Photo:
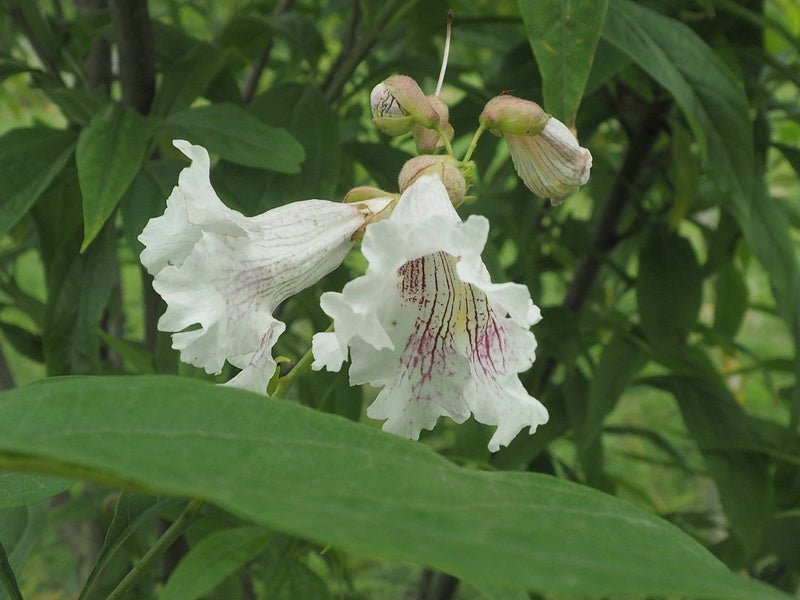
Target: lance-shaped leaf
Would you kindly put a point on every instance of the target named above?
(325, 478)
(213, 559)
(109, 153)
(22, 489)
(564, 36)
(30, 159)
(7, 577)
(237, 136)
(710, 96)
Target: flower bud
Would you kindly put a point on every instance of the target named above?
(507, 114)
(546, 154)
(373, 203)
(446, 167)
(428, 140)
(365, 192)
(398, 104)
(551, 164)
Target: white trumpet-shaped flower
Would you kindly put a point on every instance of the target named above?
(223, 274)
(427, 325)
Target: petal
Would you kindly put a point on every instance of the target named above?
(456, 340)
(499, 349)
(551, 164)
(227, 273)
(192, 207)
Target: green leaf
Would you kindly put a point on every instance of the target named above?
(306, 114)
(792, 156)
(669, 287)
(731, 304)
(147, 197)
(7, 577)
(564, 36)
(336, 482)
(78, 106)
(620, 361)
(21, 529)
(724, 436)
(30, 159)
(109, 154)
(213, 559)
(131, 511)
(188, 77)
(767, 231)
(136, 357)
(381, 161)
(287, 578)
(23, 341)
(22, 489)
(11, 66)
(79, 286)
(239, 137)
(301, 32)
(710, 96)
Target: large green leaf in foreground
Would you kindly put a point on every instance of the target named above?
(337, 482)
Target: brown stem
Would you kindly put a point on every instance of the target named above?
(137, 74)
(98, 60)
(446, 587)
(424, 585)
(350, 57)
(137, 66)
(253, 80)
(347, 45)
(605, 235)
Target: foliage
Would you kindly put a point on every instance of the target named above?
(668, 352)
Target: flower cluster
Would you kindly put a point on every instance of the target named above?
(425, 323)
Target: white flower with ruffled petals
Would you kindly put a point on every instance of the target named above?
(426, 324)
(223, 274)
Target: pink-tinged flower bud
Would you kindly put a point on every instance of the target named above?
(447, 169)
(546, 154)
(428, 140)
(507, 114)
(551, 164)
(398, 104)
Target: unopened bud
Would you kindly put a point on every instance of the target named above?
(552, 164)
(507, 114)
(365, 192)
(428, 140)
(446, 167)
(398, 104)
(373, 203)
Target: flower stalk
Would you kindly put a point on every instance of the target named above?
(173, 532)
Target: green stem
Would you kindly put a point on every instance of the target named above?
(302, 367)
(473, 143)
(285, 382)
(165, 541)
(447, 146)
